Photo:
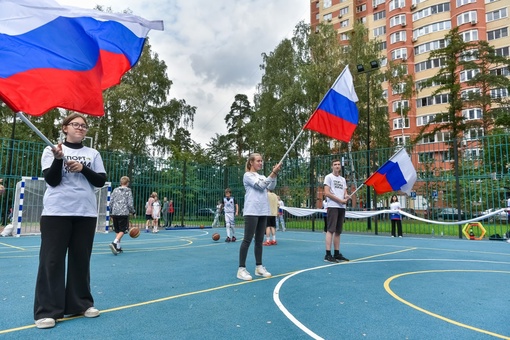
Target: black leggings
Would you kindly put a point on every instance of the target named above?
(253, 225)
(398, 224)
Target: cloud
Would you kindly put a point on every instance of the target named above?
(213, 48)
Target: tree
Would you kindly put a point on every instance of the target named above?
(138, 113)
(221, 152)
(237, 120)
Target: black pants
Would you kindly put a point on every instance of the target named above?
(398, 225)
(253, 225)
(54, 297)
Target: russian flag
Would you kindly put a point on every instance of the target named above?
(53, 56)
(397, 173)
(337, 114)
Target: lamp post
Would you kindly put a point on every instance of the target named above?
(374, 65)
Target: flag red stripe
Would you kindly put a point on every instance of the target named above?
(380, 183)
(331, 125)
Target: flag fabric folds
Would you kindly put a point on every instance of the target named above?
(337, 114)
(59, 56)
(397, 173)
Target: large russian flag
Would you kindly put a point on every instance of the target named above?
(397, 173)
(337, 114)
(54, 56)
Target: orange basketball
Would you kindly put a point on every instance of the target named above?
(134, 232)
(202, 226)
(215, 236)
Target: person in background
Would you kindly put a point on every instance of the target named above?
(280, 221)
(256, 210)
(68, 221)
(156, 213)
(171, 211)
(164, 211)
(335, 189)
(271, 219)
(148, 212)
(231, 209)
(395, 217)
(217, 213)
(121, 205)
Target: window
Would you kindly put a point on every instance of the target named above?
(363, 20)
(465, 2)
(402, 140)
(397, 36)
(433, 100)
(399, 53)
(430, 46)
(436, 27)
(499, 93)
(469, 93)
(473, 113)
(428, 64)
(394, 4)
(446, 156)
(344, 11)
(379, 15)
(469, 55)
(473, 134)
(468, 74)
(398, 20)
(375, 3)
(344, 23)
(401, 123)
(473, 153)
(398, 88)
(428, 139)
(496, 34)
(425, 157)
(382, 46)
(424, 120)
(396, 105)
(502, 52)
(428, 11)
(496, 15)
(328, 17)
(502, 71)
(327, 3)
(379, 31)
(471, 35)
(466, 17)
(361, 8)
(344, 36)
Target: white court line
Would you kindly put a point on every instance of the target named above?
(300, 325)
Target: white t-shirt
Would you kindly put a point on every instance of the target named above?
(337, 186)
(74, 196)
(256, 202)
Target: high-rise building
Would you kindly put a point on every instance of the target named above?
(409, 30)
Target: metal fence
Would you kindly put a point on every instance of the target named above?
(482, 182)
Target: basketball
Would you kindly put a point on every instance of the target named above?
(216, 236)
(202, 226)
(134, 232)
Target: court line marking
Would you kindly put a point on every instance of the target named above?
(398, 298)
(285, 311)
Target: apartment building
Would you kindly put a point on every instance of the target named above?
(409, 30)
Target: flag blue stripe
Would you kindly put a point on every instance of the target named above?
(394, 175)
(77, 50)
(340, 106)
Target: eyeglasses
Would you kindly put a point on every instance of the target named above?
(78, 125)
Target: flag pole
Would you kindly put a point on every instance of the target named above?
(352, 193)
(302, 130)
(35, 129)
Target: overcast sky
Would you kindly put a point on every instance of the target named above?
(213, 48)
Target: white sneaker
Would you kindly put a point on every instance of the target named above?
(45, 323)
(242, 274)
(261, 271)
(92, 312)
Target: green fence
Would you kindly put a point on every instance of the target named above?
(482, 183)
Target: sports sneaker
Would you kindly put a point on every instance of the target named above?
(91, 312)
(113, 248)
(267, 243)
(45, 323)
(329, 258)
(274, 243)
(261, 271)
(242, 274)
(120, 250)
(340, 257)
(233, 239)
(227, 239)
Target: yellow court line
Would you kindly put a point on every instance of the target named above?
(11, 246)
(390, 291)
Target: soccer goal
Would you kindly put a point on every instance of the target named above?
(28, 206)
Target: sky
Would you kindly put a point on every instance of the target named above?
(212, 48)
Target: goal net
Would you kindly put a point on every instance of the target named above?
(28, 206)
